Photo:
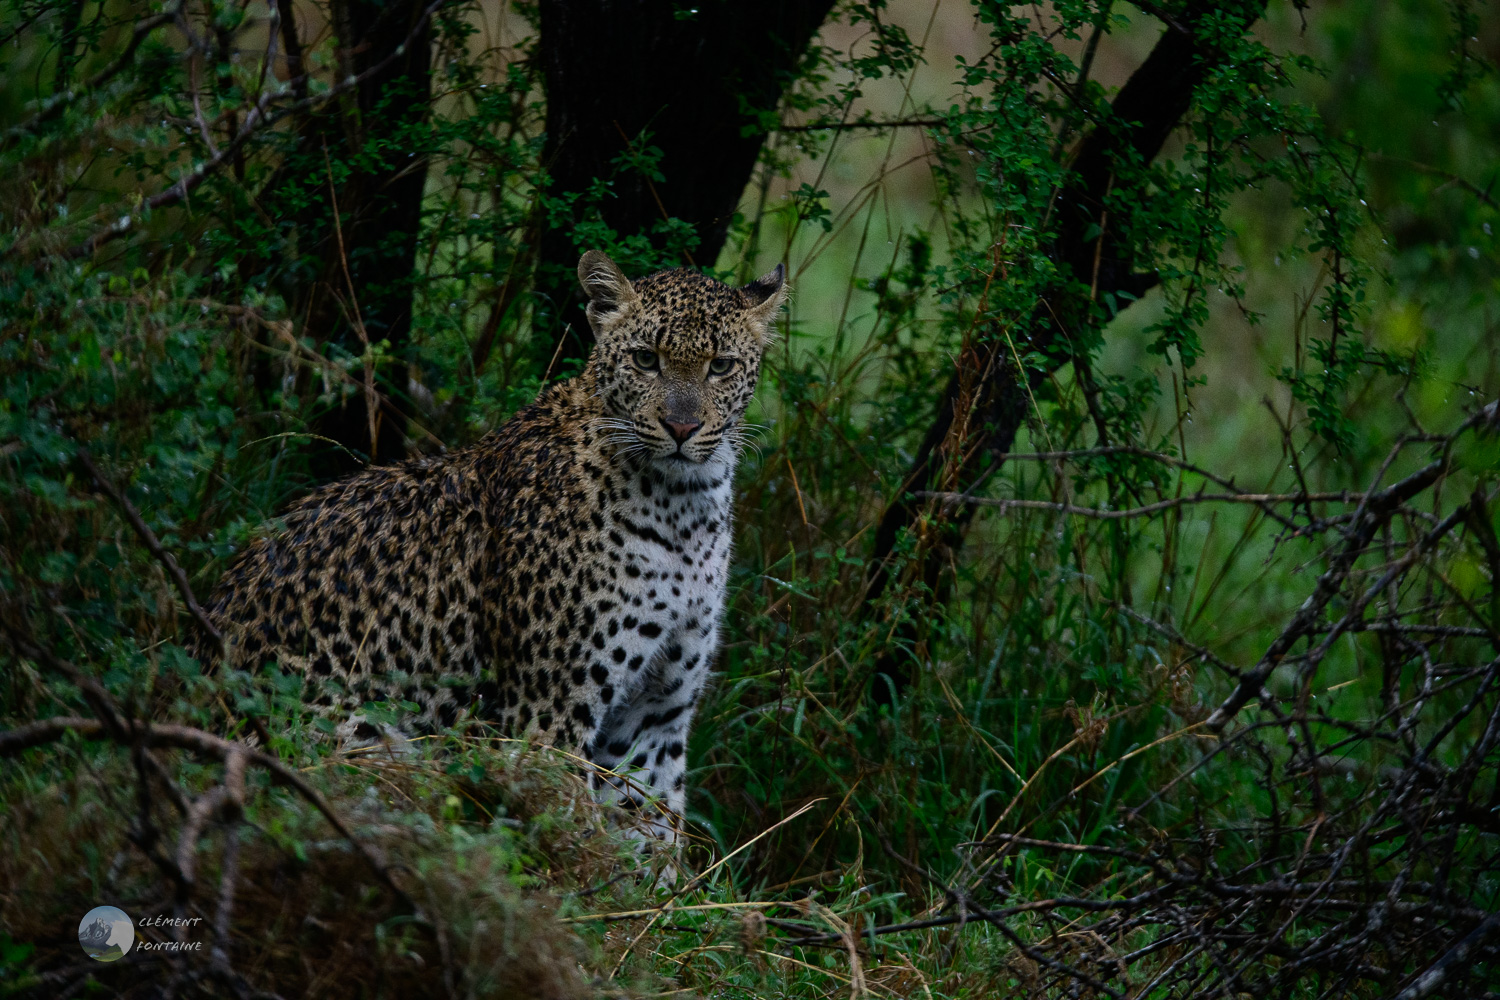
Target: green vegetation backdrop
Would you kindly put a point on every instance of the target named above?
(1115, 604)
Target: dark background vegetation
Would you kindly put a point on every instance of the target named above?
(1115, 604)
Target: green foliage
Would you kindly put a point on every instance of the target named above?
(1310, 236)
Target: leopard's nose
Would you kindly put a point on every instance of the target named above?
(681, 432)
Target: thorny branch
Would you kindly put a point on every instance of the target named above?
(1376, 510)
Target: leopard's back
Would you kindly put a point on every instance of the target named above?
(381, 587)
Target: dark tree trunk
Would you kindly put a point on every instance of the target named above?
(616, 69)
(1147, 109)
(349, 276)
(368, 280)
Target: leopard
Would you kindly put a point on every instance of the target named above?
(563, 579)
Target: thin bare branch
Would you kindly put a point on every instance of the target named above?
(1172, 503)
(153, 545)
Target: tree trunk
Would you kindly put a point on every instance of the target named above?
(348, 275)
(1147, 109)
(697, 83)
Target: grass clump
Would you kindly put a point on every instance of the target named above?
(483, 842)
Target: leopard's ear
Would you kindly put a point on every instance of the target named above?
(611, 296)
(765, 296)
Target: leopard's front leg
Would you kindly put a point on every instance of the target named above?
(644, 739)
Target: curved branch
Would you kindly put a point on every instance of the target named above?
(56, 104)
(197, 741)
(153, 545)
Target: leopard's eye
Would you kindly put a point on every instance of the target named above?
(645, 360)
(720, 366)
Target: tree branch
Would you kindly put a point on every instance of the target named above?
(153, 545)
(153, 734)
(256, 120)
(1144, 113)
(56, 104)
(1172, 503)
(1377, 509)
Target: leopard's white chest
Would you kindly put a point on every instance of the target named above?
(673, 537)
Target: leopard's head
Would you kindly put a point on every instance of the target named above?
(676, 356)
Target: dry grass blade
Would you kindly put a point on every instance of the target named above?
(697, 879)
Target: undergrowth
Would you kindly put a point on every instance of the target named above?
(1114, 605)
